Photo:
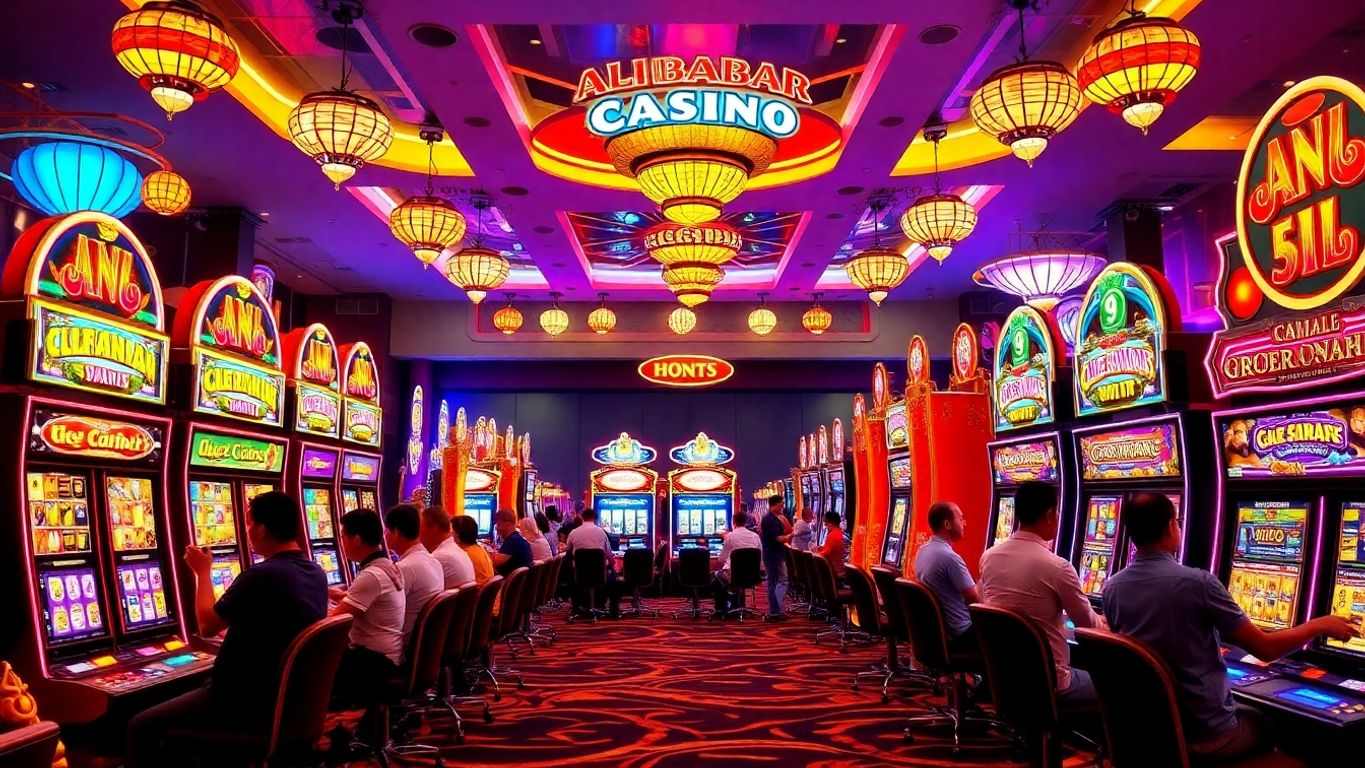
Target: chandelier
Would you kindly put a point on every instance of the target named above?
(59, 177)
(166, 193)
(817, 319)
(877, 269)
(602, 319)
(762, 321)
(177, 51)
(339, 129)
(1041, 276)
(938, 221)
(691, 170)
(554, 320)
(682, 320)
(692, 283)
(478, 269)
(427, 224)
(1025, 104)
(1137, 66)
(508, 318)
(714, 242)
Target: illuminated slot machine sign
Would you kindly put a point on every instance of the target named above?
(362, 423)
(481, 497)
(235, 351)
(702, 494)
(1015, 463)
(316, 375)
(215, 457)
(1134, 452)
(623, 491)
(1024, 370)
(1313, 440)
(1291, 294)
(1121, 340)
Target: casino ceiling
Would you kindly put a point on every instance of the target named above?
(534, 185)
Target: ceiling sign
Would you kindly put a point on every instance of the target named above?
(1024, 368)
(1291, 294)
(686, 370)
(235, 347)
(1121, 340)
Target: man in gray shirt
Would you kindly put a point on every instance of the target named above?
(944, 573)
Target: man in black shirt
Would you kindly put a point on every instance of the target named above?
(775, 532)
(266, 607)
(515, 551)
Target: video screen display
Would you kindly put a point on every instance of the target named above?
(1102, 521)
(131, 514)
(1004, 518)
(367, 499)
(480, 507)
(142, 595)
(252, 490)
(59, 513)
(702, 514)
(1348, 583)
(212, 512)
(317, 512)
(326, 558)
(350, 500)
(900, 472)
(225, 568)
(895, 531)
(71, 604)
(1266, 592)
(626, 514)
(1095, 568)
(1271, 530)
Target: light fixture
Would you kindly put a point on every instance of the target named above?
(691, 170)
(762, 321)
(713, 242)
(177, 51)
(425, 223)
(166, 193)
(339, 129)
(1040, 276)
(59, 177)
(554, 320)
(878, 268)
(938, 221)
(692, 283)
(817, 319)
(1137, 66)
(1023, 105)
(602, 319)
(507, 319)
(682, 320)
(478, 269)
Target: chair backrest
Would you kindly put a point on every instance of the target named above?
(822, 578)
(924, 622)
(694, 567)
(885, 580)
(429, 635)
(31, 746)
(790, 559)
(510, 603)
(307, 671)
(1137, 700)
(661, 558)
(744, 567)
(481, 631)
(590, 567)
(551, 580)
(530, 594)
(638, 568)
(801, 559)
(1019, 667)
(864, 600)
(462, 620)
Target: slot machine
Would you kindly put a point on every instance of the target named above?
(96, 620)
(842, 488)
(1124, 363)
(361, 429)
(701, 494)
(1288, 540)
(897, 471)
(809, 478)
(227, 350)
(530, 503)
(314, 373)
(826, 481)
(1027, 393)
(621, 491)
(788, 495)
(482, 478)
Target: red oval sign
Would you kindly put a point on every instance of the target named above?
(97, 439)
(686, 370)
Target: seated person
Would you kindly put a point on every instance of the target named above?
(739, 537)
(588, 535)
(1023, 575)
(266, 607)
(540, 548)
(379, 605)
(803, 531)
(543, 525)
(1184, 614)
(833, 549)
(456, 566)
(423, 578)
(515, 550)
(944, 573)
(467, 536)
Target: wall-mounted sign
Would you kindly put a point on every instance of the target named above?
(357, 466)
(917, 361)
(360, 384)
(667, 90)
(702, 480)
(624, 451)
(314, 368)
(1147, 450)
(95, 305)
(1291, 294)
(966, 355)
(1024, 368)
(1120, 341)
(686, 370)
(623, 479)
(415, 432)
(1317, 440)
(72, 434)
(897, 427)
(319, 463)
(235, 351)
(218, 450)
(1014, 463)
(702, 451)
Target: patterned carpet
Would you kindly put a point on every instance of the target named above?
(656, 693)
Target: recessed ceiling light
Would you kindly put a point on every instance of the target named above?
(433, 35)
(1288, 83)
(535, 41)
(265, 214)
(29, 85)
(939, 34)
(840, 40)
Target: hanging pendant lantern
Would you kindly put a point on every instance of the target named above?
(178, 52)
(817, 319)
(762, 321)
(478, 269)
(425, 223)
(554, 320)
(1137, 67)
(602, 319)
(507, 319)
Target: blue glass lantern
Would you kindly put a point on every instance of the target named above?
(61, 177)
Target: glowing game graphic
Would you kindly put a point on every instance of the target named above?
(1120, 340)
(1015, 463)
(360, 385)
(80, 435)
(897, 426)
(1321, 441)
(235, 347)
(317, 383)
(1149, 450)
(231, 451)
(1024, 368)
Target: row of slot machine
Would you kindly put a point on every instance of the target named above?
(1262, 450)
(823, 481)
(135, 443)
(495, 469)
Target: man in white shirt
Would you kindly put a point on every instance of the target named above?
(423, 578)
(1023, 575)
(456, 566)
(588, 535)
(376, 600)
(739, 537)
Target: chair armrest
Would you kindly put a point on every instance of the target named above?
(28, 741)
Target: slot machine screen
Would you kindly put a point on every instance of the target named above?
(142, 595)
(1097, 550)
(1004, 518)
(350, 500)
(317, 512)
(624, 514)
(252, 490)
(212, 512)
(1267, 561)
(704, 514)
(131, 514)
(71, 604)
(900, 472)
(225, 568)
(326, 558)
(480, 507)
(59, 513)
(895, 532)
(367, 499)
(1348, 583)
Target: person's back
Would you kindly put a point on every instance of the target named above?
(467, 536)
(803, 532)
(942, 570)
(457, 568)
(423, 578)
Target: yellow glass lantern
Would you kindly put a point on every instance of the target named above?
(877, 270)
(554, 320)
(691, 170)
(602, 319)
(166, 192)
(476, 270)
(762, 321)
(682, 320)
(817, 319)
(1137, 67)
(507, 319)
(179, 52)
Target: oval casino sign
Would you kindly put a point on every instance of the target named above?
(686, 370)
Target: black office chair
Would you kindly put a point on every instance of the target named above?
(694, 573)
(411, 692)
(637, 575)
(1137, 699)
(834, 599)
(745, 575)
(862, 602)
(798, 596)
(30, 746)
(590, 575)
